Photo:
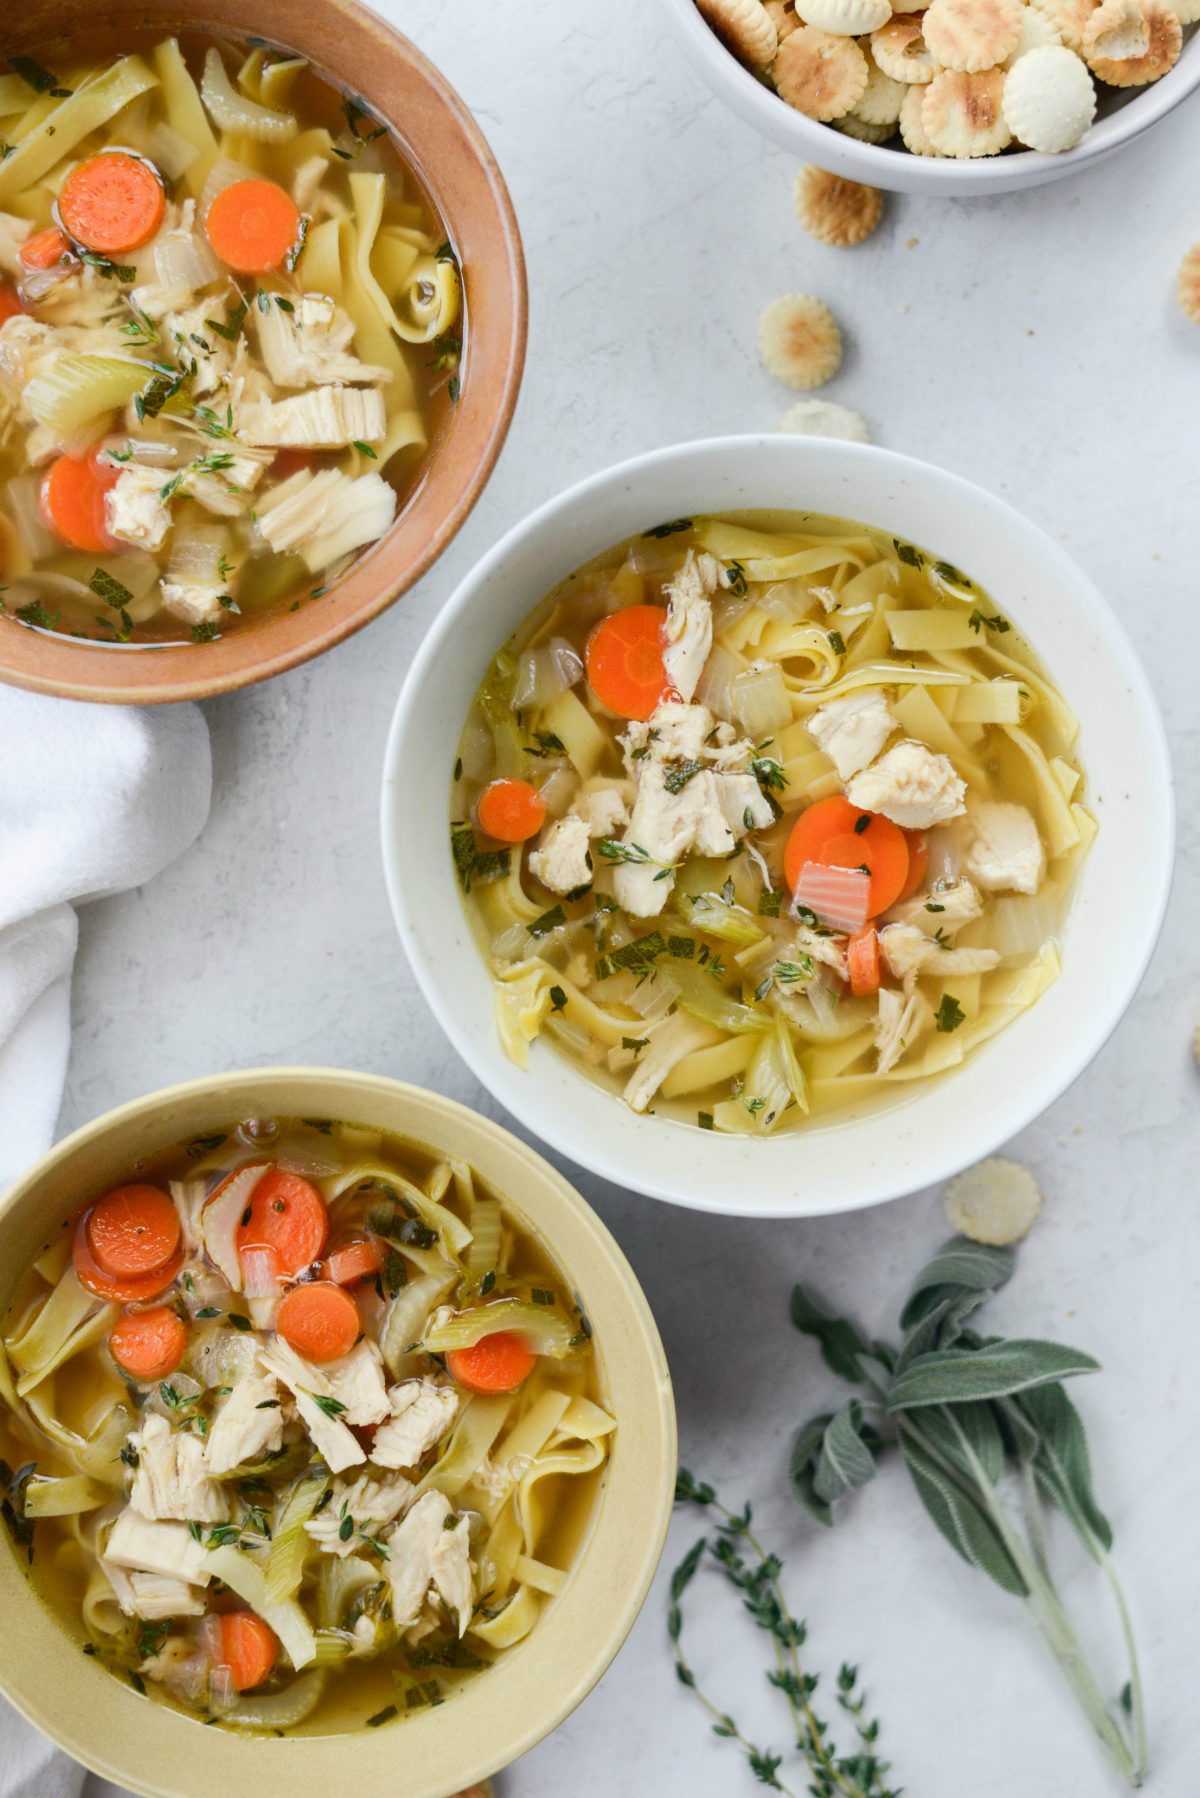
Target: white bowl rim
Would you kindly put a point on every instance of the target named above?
(477, 1042)
(895, 169)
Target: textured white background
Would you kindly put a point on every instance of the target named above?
(1032, 344)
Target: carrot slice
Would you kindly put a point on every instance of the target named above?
(625, 665)
(320, 1320)
(862, 963)
(832, 832)
(44, 248)
(510, 810)
(249, 1648)
(72, 500)
(918, 862)
(252, 225)
(148, 1345)
(112, 202)
(131, 1290)
(496, 1363)
(133, 1230)
(10, 305)
(354, 1261)
(288, 1215)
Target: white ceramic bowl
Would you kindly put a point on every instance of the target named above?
(1122, 118)
(833, 1165)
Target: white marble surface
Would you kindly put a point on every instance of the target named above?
(1032, 344)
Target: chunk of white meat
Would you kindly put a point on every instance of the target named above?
(24, 343)
(562, 860)
(196, 602)
(911, 785)
(310, 346)
(603, 806)
(430, 1548)
(945, 908)
(900, 1020)
(710, 814)
(908, 952)
(1006, 851)
(356, 1382)
(421, 1413)
(171, 1479)
(369, 1504)
(675, 733)
(228, 489)
(182, 1666)
(688, 628)
(191, 340)
(145, 1546)
(324, 516)
(248, 1425)
(670, 1041)
(852, 731)
(824, 946)
(134, 509)
(335, 1444)
(323, 418)
(13, 232)
(153, 1596)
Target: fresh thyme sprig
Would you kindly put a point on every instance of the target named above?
(976, 1418)
(830, 1774)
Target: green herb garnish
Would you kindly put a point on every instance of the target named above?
(669, 529)
(949, 1014)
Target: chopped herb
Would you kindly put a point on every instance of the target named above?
(669, 529)
(932, 906)
(949, 1014)
(231, 327)
(558, 999)
(170, 488)
(837, 643)
(209, 1311)
(636, 1043)
(678, 774)
(487, 1283)
(129, 1455)
(364, 449)
(862, 823)
(239, 1322)
(612, 851)
(137, 1682)
(788, 972)
(547, 744)
(447, 348)
(754, 1106)
(324, 1125)
(995, 623)
(283, 304)
(430, 1693)
(35, 614)
(445, 253)
(39, 78)
(332, 1407)
(139, 329)
(454, 388)
(683, 948)
(768, 903)
(637, 955)
(267, 1404)
(908, 554)
(955, 576)
(203, 1145)
(549, 920)
(89, 1648)
(205, 632)
(768, 773)
(475, 865)
(735, 579)
(393, 1271)
(107, 269)
(345, 1529)
(294, 254)
(196, 1533)
(705, 1120)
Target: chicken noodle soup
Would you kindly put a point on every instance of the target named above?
(300, 1428)
(230, 326)
(763, 818)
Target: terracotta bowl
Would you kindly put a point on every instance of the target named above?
(363, 55)
(154, 1750)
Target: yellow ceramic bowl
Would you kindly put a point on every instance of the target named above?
(154, 1750)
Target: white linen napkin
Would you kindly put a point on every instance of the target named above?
(94, 800)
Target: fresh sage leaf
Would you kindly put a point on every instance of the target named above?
(840, 1342)
(966, 1527)
(1062, 1465)
(806, 1446)
(846, 1462)
(961, 1265)
(957, 1376)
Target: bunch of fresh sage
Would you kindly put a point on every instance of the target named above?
(991, 1440)
(735, 1552)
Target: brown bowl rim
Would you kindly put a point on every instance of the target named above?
(62, 668)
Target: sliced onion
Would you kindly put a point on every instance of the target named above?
(222, 1693)
(182, 259)
(557, 791)
(713, 690)
(759, 702)
(24, 509)
(787, 600)
(510, 943)
(172, 153)
(1021, 925)
(208, 1636)
(653, 996)
(280, 1710)
(545, 672)
(150, 450)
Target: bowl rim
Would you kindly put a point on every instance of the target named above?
(475, 1044)
(91, 672)
(634, 1552)
(875, 163)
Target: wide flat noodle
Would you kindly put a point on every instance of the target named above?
(71, 121)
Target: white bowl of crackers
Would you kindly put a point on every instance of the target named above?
(950, 96)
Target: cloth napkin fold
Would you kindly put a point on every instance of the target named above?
(94, 800)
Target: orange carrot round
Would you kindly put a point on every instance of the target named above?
(625, 665)
(10, 305)
(72, 500)
(133, 1230)
(918, 862)
(249, 1648)
(496, 1363)
(832, 832)
(44, 248)
(252, 225)
(320, 1320)
(862, 963)
(510, 810)
(112, 203)
(288, 1215)
(354, 1261)
(148, 1345)
(133, 1289)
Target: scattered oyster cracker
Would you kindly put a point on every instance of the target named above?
(970, 35)
(882, 97)
(783, 17)
(962, 114)
(1037, 31)
(912, 128)
(743, 26)
(1118, 29)
(821, 75)
(845, 18)
(900, 49)
(1187, 290)
(836, 211)
(825, 418)
(799, 341)
(1049, 100)
(995, 1202)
